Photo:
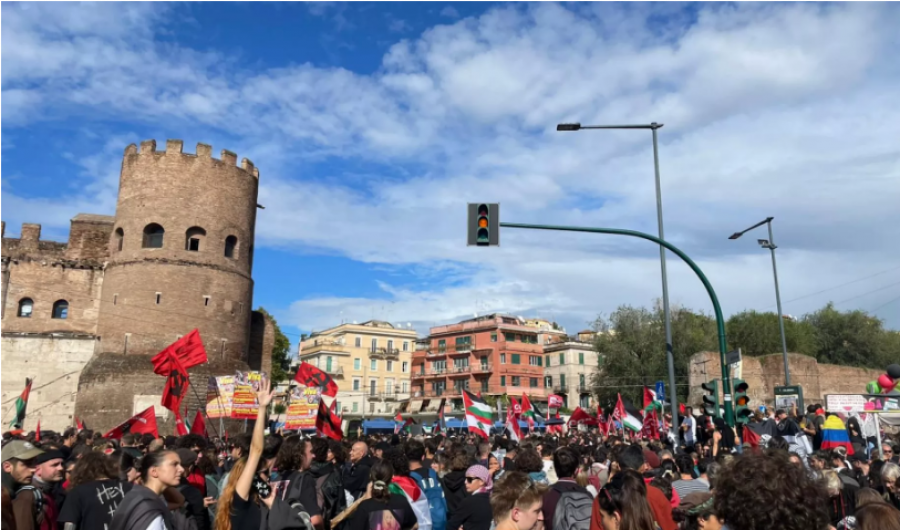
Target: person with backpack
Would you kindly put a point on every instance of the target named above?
(567, 506)
(18, 469)
(428, 481)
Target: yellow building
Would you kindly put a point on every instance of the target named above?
(370, 362)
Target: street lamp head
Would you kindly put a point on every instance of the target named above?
(568, 127)
(735, 235)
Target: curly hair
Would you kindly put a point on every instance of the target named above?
(290, 454)
(769, 480)
(529, 461)
(90, 467)
(398, 461)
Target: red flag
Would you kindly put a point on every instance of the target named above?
(199, 425)
(176, 383)
(37, 432)
(750, 437)
(180, 429)
(515, 409)
(554, 401)
(142, 423)
(681, 409)
(327, 423)
(79, 425)
(580, 417)
(649, 397)
(311, 376)
(650, 427)
(188, 349)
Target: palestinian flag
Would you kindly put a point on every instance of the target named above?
(627, 414)
(834, 434)
(529, 412)
(478, 414)
(407, 487)
(21, 405)
(180, 428)
(649, 397)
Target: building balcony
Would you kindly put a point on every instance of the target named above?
(418, 375)
(336, 371)
(560, 389)
(325, 347)
(584, 389)
(460, 349)
(436, 353)
(457, 371)
(384, 353)
(482, 368)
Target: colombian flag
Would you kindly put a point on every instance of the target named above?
(834, 434)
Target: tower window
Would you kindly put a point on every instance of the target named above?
(153, 236)
(158, 298)
(231, 243)
(120, 239)
(60, 309)
(115, 298)
(193, 237)
(206, 301)
(26, 306)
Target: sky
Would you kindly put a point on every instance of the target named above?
(373, 124)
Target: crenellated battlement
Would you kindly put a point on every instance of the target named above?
(175, 147)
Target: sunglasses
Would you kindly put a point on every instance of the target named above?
(472, 479)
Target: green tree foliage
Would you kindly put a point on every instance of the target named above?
(758, 334)
(632, 350)
(852, 338)
(281, 361)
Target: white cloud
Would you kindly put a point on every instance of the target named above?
(450, 12)
(784, 110)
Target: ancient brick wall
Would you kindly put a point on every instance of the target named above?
(89, 237)
(55, 362)
(161, 293)
(764, 373)
(262, 340)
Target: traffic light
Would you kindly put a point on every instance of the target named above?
(742, 410)
(484, 224)
(711, 401)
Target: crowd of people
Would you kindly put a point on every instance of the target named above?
(577, 481)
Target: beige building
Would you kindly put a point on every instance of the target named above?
(568, 370)
(548, 332)
(370, 362)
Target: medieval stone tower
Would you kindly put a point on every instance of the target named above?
(180, 252)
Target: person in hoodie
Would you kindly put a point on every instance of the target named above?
(454, 481)
(529, 461)
(474, 512)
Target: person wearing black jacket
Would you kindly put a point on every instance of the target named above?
(356, 470)
(195, 507)
(565, 463)
(475, 511)
(454, 482)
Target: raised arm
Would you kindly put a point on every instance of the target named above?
(264, 396)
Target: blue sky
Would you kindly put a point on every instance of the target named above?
(374, 123)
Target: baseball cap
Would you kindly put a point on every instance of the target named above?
(187, 457)
(21, 450)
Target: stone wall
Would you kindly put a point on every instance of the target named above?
(764, 373)
(55, 362)
(262, 340)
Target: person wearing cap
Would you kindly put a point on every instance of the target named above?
(48, 475)
(18, 470)
(860, 469)
(697, 511)
(195, 504)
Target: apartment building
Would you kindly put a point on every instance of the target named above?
(568, 369)
(493, 354)
(370, 362)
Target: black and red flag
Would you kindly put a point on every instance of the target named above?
(188, 350)
(327, 423)
(311, 376)
(176, 382)
(142, 423)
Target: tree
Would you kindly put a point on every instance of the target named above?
(852, 338)
(757, 334)
(281, 361)
(632, 347)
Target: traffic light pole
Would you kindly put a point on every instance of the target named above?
(720, 320)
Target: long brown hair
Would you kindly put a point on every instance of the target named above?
(90, 467)
(878, 516)
(626, 494)
(226, 498)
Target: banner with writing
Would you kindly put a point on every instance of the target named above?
(302, 410)
(244, 405)
(219, 396)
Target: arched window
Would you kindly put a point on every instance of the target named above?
(60, 309)
(231, 244)
(193, 237)
(26, 305)
(153, 236)
(120, 239)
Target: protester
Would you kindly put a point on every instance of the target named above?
(516, 503)
(379, 509)
(474, 512)
(878, 516)
(565, 465)
(95, 492)
(143, 508)
(622, 504)
(454, 482)
(18, 470)
(697, 512)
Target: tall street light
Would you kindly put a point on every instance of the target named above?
(662, 256)
(770, 244)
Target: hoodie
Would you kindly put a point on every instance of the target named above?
(454, 490)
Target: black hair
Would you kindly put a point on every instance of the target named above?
(271, 446)
(151, 460)
(630, 457)
(381, 475)
(290, 454)
(320, 449)
(242, 442)
(685, 464)
(398, 460)
(189, 441)
(430, 446)
(415, 450)
(565, 462)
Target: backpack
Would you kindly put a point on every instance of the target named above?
(331, 487)
(573, 511)
(38, 502)
(434, 492)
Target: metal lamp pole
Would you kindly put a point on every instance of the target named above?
(670, 357)
(770, 244)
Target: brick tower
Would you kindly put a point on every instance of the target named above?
(181, 252)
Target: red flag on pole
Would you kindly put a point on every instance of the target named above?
(199, 425)
(37, 431)
(176, 383)
(650, 427)
(327, 423)
(188, 349)
(649, 396)
(142, 423)
(180, 429)
(309, 375)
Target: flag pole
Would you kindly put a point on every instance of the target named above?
(203, 408)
